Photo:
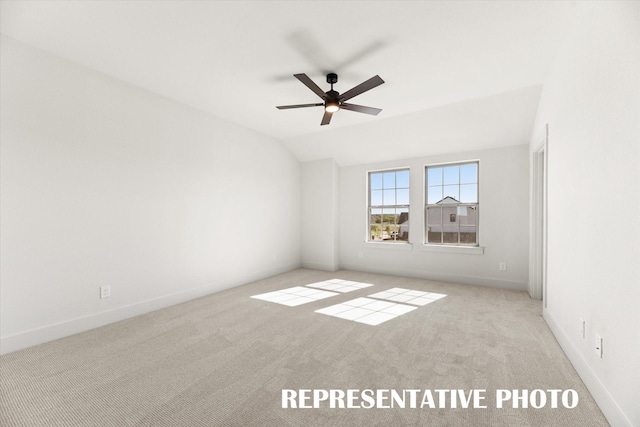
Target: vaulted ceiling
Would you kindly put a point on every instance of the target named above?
(459, 75)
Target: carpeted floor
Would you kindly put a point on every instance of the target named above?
(223, 360)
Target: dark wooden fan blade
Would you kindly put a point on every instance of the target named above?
(357, 56)
(309, 48)
(362, 87)
(311, 85)
(360, 109)
(326, 118)
(286, 107)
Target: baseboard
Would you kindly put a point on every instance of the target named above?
(320, 266)
(442, 277)
(600, 394)
(69, 327)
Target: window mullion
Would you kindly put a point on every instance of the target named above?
(458, 216)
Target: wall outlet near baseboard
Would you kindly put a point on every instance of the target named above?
(105, 291)
(599, 345)
(503, 266)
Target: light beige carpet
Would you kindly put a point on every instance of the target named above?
(223, 360)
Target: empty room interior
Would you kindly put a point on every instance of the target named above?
(319, 213)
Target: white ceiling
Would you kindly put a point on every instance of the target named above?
(459, 75)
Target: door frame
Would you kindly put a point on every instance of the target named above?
(539, 185)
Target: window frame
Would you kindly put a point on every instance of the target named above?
(475, 205)
(370, 207)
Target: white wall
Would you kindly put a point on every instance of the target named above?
(319, 210)
(107, 184)
(503, 220)
(591, 101)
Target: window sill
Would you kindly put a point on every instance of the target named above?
(444, 249)
(404, 246)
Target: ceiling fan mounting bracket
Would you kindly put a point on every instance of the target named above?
(332, 78)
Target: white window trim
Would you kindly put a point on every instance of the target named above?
(453, 249)
(443, 247)
(401, 245)
(404, 245)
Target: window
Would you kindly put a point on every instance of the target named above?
(451, 209)
(389, 206)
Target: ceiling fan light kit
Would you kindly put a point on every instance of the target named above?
(331, 106)
(333, 100)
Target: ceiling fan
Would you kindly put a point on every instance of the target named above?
(334, 101)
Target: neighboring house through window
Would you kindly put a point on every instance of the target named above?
(389, 206)
(451, 209)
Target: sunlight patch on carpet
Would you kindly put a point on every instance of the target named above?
(297, 295)
(367, 310)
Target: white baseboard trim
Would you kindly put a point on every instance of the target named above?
(81, 324)
(440, 277)
(320, 266)
(22, 340)
(600, 394)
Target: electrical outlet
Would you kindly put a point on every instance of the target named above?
(105, 291)
(503, 266)
(582, 327)
(599, 345)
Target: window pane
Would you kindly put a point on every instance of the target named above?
(467, 215)
(452, 191)
(434, 195)
(450, 233)
(375, 231)
(402, 197)
(434, 176)
(434, 216)
(400, 230)
(376, 197)
(403, 216)
(375, 224)
(388, 215)
(450, 224)
(376, 181)
(469, 193)
(434, 236)
(388, 220)
(434, 225)
(389, 197)
(402, 179)
(450, 215)
(468, 235)
(451, 175)
(404, 225)
(389, 180)
(469, 173)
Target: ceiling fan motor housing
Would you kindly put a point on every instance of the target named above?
(333, 95)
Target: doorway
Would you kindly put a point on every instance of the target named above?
(538, 269)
